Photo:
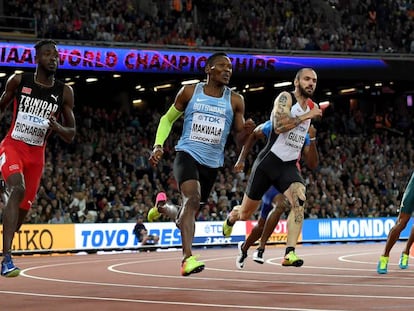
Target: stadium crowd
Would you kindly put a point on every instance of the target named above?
(311, 25)
(105, 176)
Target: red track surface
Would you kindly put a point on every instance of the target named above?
(334, 277)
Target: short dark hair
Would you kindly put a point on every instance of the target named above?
(42, 43)
(299, 73)
(212, 58)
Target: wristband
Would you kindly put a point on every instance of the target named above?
(312, 139)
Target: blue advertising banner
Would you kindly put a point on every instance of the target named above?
(349, 229)
(95, 58)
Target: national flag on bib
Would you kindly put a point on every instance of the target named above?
(26, 90)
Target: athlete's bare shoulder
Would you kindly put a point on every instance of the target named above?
(282, 104)
(183, 96)
(10, 90)
(237, 101)
(68, 95)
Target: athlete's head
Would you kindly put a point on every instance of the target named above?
(47, 55)
(219, 68)
(305, 82)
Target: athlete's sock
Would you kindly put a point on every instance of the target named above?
(289, 249)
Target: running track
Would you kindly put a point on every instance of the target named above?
(334, 277)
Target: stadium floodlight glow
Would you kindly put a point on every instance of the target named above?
(71, 83)
(2, 74)
(137, 87)
(18, 71)
(193, 81)
(347, 91)
(162, 87)
(137, 101)
(282, 84)
(328, 93)
(68, 79)
(255, 89)
(89, 80)
(116, 75)
(378, 84)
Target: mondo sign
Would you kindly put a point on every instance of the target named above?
(164, 61)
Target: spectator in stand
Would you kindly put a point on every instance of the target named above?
(141, 233)
(57, 218)
(293, 25)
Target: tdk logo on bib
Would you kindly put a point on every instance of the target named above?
(209, 119)
(35, 120)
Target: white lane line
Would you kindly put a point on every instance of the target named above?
(163, 302)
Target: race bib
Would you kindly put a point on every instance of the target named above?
(206, 128)
(30, 129)
(295, 140)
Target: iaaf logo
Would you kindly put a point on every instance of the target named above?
(356, 228)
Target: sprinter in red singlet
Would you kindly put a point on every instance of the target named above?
(41, 105)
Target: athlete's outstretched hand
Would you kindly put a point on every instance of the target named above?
(156, 155)
(239, 166)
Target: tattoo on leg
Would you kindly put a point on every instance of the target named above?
(298, 210)
(298, 216)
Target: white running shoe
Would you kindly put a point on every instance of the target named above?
(258, 255)
(241, 256)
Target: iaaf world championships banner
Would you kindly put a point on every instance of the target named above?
(162, 61)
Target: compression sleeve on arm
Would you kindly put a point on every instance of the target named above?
(165, 125)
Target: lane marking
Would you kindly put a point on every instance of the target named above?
(163, 302)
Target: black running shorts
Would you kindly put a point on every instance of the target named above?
(187, 168)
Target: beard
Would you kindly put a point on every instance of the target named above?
(50, 72)
(303, 92)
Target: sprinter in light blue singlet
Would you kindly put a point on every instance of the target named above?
(207, 123)
(209, 111)
(406, 211)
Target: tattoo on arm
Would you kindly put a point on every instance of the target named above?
(282, 105)
(281, 113)
(283, 100)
